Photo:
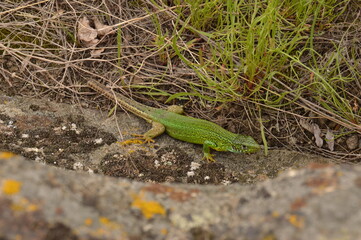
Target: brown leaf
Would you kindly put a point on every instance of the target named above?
(86, 33)
(25, 63)
(317, 134)
(306, 125)
(313, 128)
(330, 139)
(101, 28)
(96, 52)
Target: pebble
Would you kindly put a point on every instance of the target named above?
(352, 142)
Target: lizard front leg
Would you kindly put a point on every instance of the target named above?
(156, 130)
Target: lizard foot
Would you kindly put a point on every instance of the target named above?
(141, 139)
(209, 157)
(131, 141)
(145, 139)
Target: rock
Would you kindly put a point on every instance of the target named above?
(44, 202)
(352, 142)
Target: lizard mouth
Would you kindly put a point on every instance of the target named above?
(251, 150)
(245, 149)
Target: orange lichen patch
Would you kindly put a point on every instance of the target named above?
(24, 205)
(108, 223)
(107, 228)
(88, 221)
(180, 195)
(326, 182)
(148, 208)
(315, 165)
(298, 203)
(104, 220)
(164, 231)
(7, 155)
(296, 221)
(11, 187)
(275, 214)
(270, 237)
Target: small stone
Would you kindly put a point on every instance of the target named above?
(195, 166)
(78, 166)
(226, 182)
(24, 135)
(169, 179)
(352, 142)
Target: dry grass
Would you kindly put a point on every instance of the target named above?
(40, 42)
(42, 56)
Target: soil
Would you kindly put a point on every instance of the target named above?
(80, 139)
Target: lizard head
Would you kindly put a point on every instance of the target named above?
(243, 144)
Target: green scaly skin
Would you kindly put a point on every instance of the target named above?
(188, 129)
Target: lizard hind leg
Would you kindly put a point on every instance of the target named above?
(156, 130)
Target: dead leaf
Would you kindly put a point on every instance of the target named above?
(24, 63)
(58, 14)
(92, 43)
(313, 128)
(317, 134)
(306, 125)
(355, 106)
(330, 139)
(101, 28)
(96, 52)
(86, 33)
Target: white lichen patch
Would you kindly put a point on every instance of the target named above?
(225, 182)
(195, 166)
(36, 150)
(168, 158)
(98, 140)
(78, 166)
(74, 128)
(24, 135)
(156, 164)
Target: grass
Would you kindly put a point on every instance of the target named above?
(249, 44)
(294, 56)
(270, 52)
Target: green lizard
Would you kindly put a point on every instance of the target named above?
(182, 127)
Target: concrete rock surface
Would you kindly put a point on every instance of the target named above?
(44, 202)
